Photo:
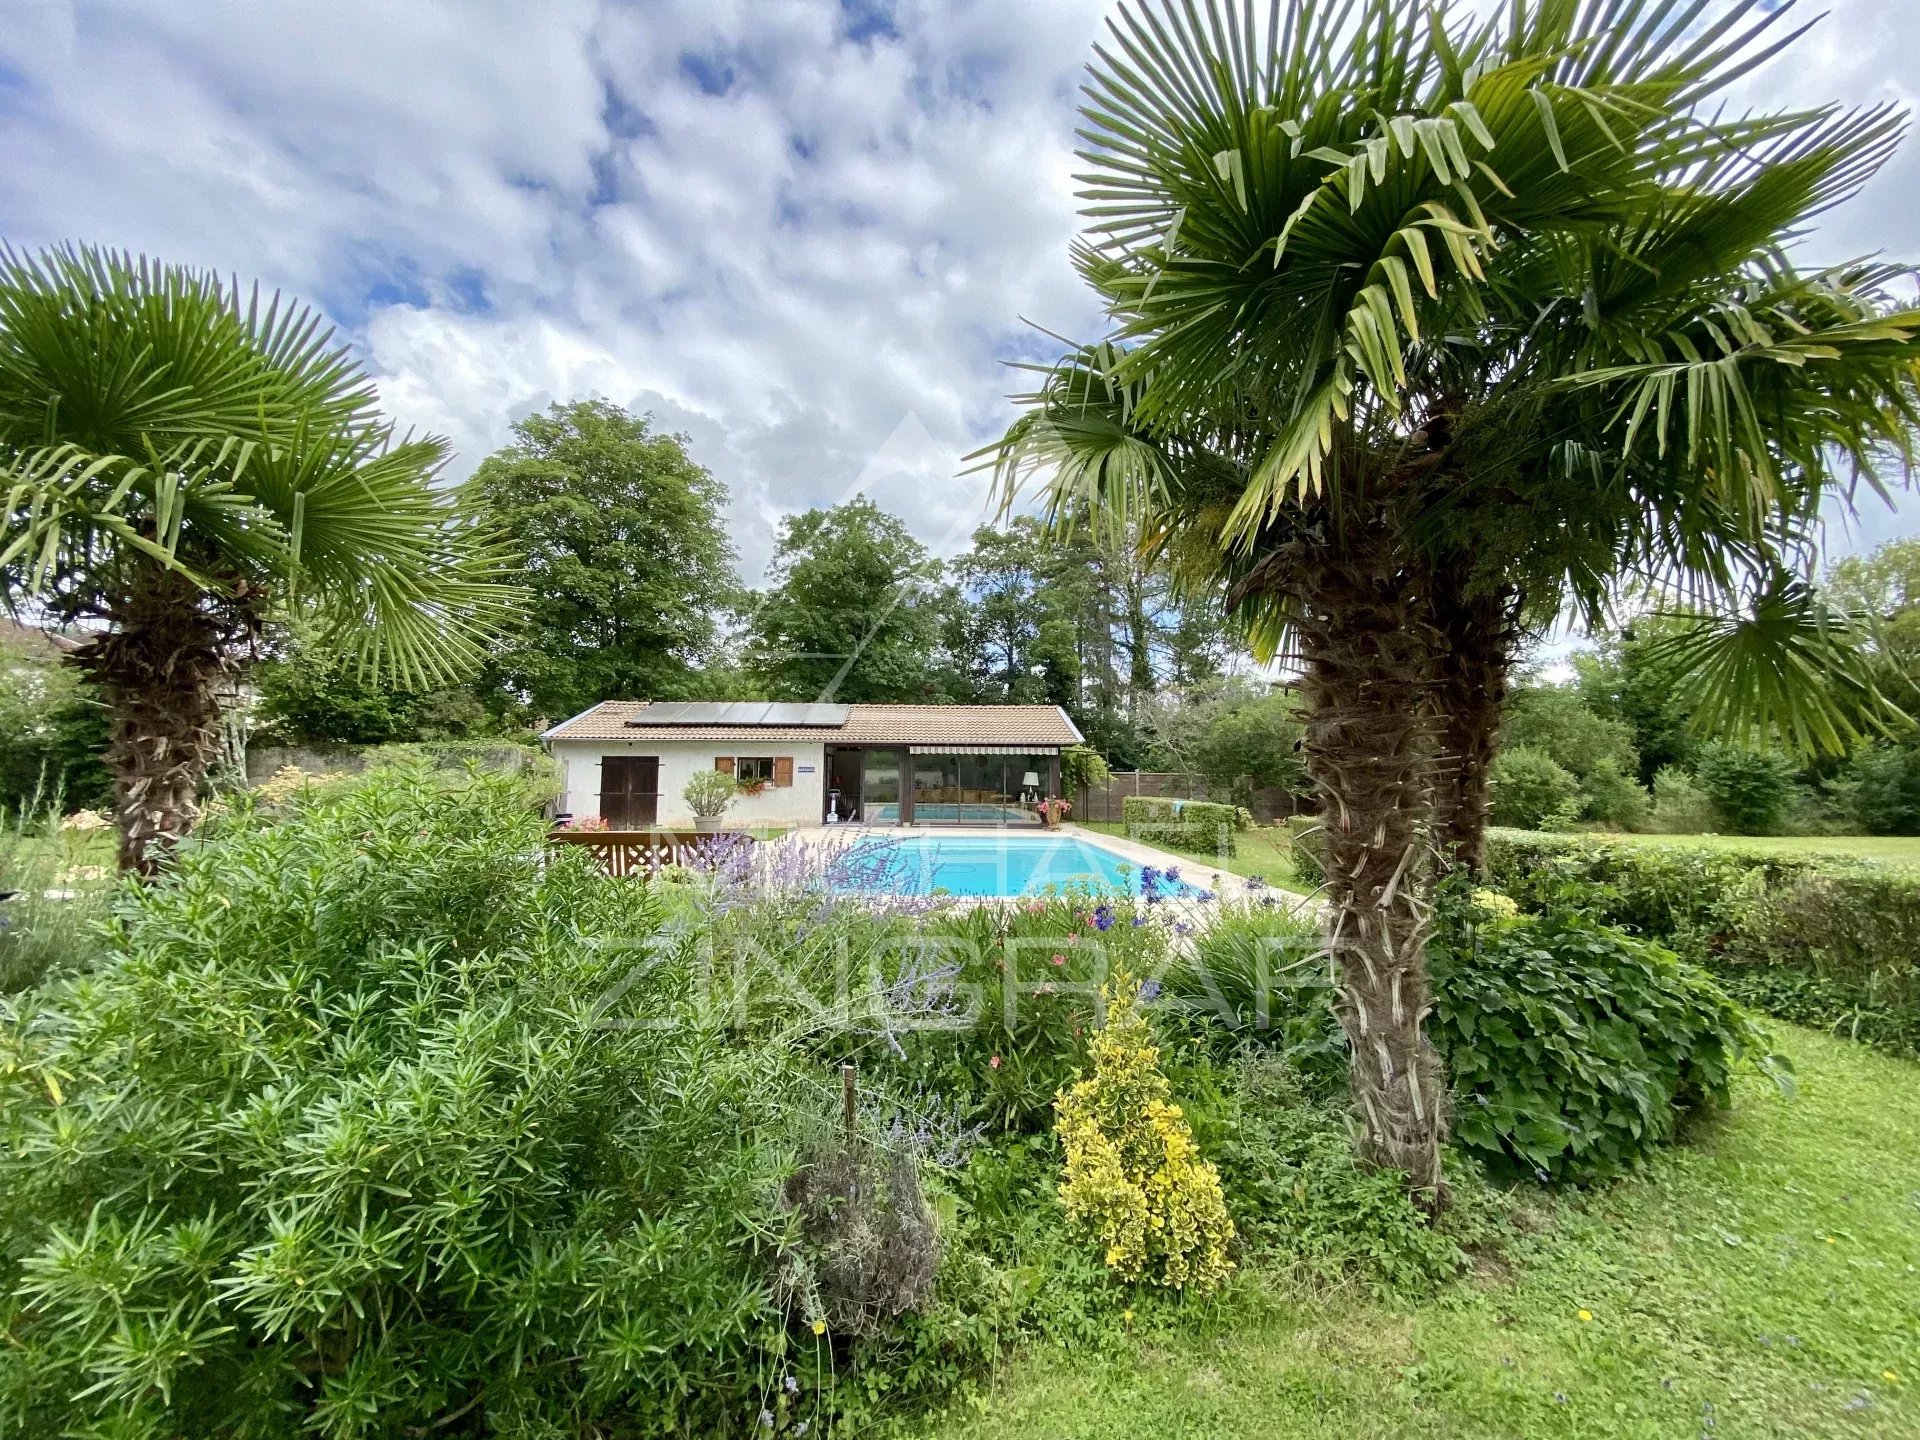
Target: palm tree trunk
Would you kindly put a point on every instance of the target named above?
(1477, 635)
(1368, 707)
(159, 671)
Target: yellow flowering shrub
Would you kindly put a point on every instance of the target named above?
(1135, 1181)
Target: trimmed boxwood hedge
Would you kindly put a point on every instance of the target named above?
(1820, 940)
(1184, 824)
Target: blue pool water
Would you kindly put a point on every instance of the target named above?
(999, 865)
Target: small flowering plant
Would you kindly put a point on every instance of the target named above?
(1053, 811)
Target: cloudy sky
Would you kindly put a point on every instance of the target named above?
(805, 233)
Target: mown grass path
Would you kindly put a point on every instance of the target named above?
(1764, 1281)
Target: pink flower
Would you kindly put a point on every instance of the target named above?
(994, 1062)
(1059, 959)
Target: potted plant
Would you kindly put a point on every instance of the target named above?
(708, 794)
(1052, 812)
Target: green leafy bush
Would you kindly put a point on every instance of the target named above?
(1751, 789)
(1082, 768)
(1680, 807)
(1529, 787)
(1613, 796)
(1184, 824)
(1882, 784)
(332, 1139)
(1816, 939)
(1574, 1049)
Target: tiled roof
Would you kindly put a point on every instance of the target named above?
(1045, 726)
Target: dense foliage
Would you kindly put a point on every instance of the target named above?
(1820, 940)
(1184, 824)
(1533, 791)
(1574, 1049)
(1134, 1179)
(372, 1156)
(617, 535)
(53, 729)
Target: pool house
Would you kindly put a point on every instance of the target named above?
(626, 762)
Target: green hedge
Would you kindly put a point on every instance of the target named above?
(1184, 824)
(1820, 940)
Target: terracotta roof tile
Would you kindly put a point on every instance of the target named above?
(1040, 725)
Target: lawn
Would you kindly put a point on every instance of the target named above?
(1889, 849)
(1763, 1282)
(1263, 852)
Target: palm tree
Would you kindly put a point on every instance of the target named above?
(177, 459)
(1426, 326)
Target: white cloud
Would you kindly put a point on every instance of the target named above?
(805, 248)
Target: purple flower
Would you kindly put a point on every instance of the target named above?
(1150, 991)
(1138, 921)
(790, 1385)
(1103, 917)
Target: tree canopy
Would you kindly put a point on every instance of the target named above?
(619, 541)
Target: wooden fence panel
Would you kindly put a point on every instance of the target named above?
(642, 854)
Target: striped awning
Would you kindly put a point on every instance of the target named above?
(984, 749)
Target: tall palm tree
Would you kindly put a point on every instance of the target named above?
(177, 458)
(1426, 324)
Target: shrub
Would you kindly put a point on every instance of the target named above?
(867, 1247)
(1528, 787)
(1613, 796)
(1134, 1180)
(1883, 784)
(361, 1146)
(1680, 807)
(1184, 824)
(1556, 720)
(1751, 789)
(1816, 939)
(709, 793)
(1573, 1049)
(1300, 1200)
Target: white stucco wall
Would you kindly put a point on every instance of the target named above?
(801, 803)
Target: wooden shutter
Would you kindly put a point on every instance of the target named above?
(782, 770)
(723, 763)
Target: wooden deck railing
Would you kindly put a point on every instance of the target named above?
(645, 853)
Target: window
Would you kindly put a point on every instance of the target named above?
(753, 769)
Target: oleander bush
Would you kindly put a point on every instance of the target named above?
(1185, 824)
(1820, 940)
(332, 1139)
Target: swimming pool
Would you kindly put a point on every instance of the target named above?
(992, 865)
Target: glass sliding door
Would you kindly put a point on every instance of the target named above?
(979, 789)
(880, 787)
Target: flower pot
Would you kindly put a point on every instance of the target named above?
(707, 824)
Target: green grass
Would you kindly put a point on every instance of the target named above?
(1889, 849)
(1757, 1283)
(1263, 852)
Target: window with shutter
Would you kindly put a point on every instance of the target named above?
(723, 763)
(782, 771)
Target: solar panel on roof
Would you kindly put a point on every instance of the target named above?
(740, 712)
(779, 714)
